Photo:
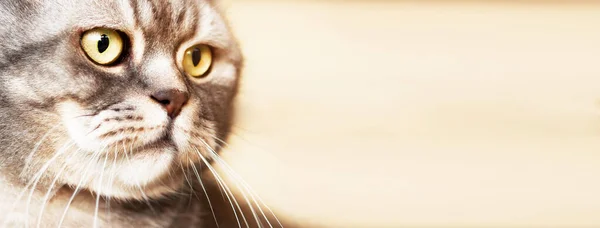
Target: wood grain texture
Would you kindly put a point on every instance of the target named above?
(405, 114)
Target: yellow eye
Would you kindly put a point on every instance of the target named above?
(103, 46)
(197, 60)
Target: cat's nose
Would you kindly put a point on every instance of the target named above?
(172, 100)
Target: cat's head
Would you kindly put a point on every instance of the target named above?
(118, 97)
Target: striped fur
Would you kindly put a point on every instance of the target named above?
(50, 91)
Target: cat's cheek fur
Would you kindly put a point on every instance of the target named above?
(193, 136)
(55, 97)
(104, 132)
(127, 167)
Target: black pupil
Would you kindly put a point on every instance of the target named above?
(103, 43)
(196, 56)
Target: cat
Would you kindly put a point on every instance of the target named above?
(112, 111)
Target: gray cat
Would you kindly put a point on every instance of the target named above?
(112, 110)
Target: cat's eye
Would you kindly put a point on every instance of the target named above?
(103, 46)
(197, 60)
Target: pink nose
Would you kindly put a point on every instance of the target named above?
(172, 100)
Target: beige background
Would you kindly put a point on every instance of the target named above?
(421, 113)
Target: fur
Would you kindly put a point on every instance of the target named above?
(88, 138)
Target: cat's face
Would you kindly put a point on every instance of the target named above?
(119, 97)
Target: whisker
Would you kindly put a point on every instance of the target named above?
(144, 196)
(38, 175)
(94, 129)
(244, 196)
(83, 178)
(99, 193)
(47, 195)
(223, 185)
(187, 180)
(41, 171)
(241, 180)
(220, 189)
(111, 181)
(254, 196)
(39, 143)
(85, 115)
(62, 150)
(205, 192)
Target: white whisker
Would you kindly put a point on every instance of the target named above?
(35, 178)
(144, 196)
(244, 184)
(61, 151)
(39, 143)
(241, 179)
(84, 177)
(243, 195)
(47, 195)
(205, 192)
(99, 193)
(223, 185)
(111, 181)
(187, 180)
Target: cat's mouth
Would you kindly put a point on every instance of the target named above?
(163, 142)
(138, 147)
(147, 165)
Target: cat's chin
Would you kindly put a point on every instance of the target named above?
(151, 172)
(135, 151)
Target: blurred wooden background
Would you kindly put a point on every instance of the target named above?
(421, 113)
